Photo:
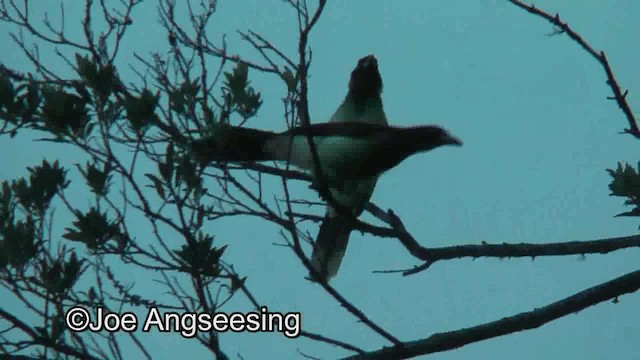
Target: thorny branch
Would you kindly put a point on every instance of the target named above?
(618, 95)
(438, 342)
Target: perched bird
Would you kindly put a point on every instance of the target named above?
(362, 104)
(354, 148)
(347, 152)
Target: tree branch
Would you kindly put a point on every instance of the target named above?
(438, 342)
(618, 94)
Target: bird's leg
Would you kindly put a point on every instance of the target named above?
(335, 185)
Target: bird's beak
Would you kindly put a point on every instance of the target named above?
(451, 140)
(368, 61)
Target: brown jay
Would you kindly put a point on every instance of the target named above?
(354, 148)
(347, 153)
(362, 104)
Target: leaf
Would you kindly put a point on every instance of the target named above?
(632, 213)
(237, 283)
(91, 294)
(7, 93)
(57, 327)
(289, 80)
(98, 180)
(86, 68)
(165, 170)
(44, 183)
(19, 245)
(71, 271)
(201, 256)
(51, 276)
(157, 184)
(177, 101)
(141, 110)
(169, 154)
(186, 171)
(626, 183)
(238, 95)
(93, 229)
(64, 113)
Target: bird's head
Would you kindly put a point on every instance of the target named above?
(365, 78)
(428, 137)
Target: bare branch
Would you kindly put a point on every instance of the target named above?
(618, 94)
(625, 284)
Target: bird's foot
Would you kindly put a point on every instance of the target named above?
(339, 186)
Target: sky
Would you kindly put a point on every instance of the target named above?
(538, 135)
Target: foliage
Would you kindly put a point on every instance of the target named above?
(626, 183)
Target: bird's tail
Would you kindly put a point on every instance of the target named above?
(235, 144)
(330, 246)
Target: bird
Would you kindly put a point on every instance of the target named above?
(353, 148)
(362, 104)
(347, 153)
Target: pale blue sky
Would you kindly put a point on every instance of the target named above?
(538, 135)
